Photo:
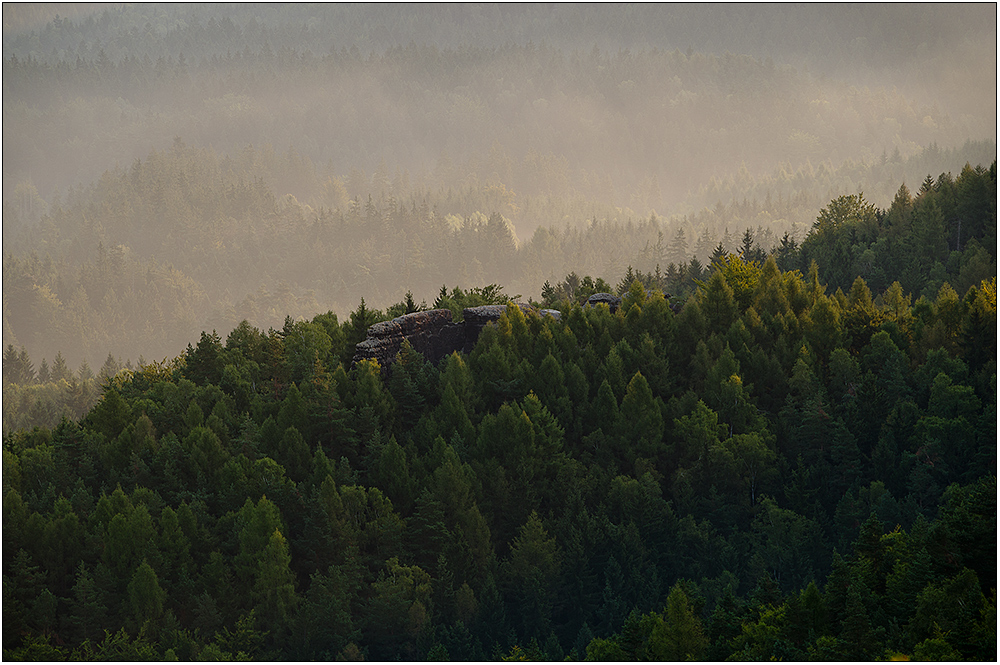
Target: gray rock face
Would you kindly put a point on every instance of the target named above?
(485, 313)
(435, 336)
(431, 333)
(612, 301)
(476, 319)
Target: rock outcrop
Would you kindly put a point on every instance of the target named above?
(432, 333)
(612, 301)
(483, 314)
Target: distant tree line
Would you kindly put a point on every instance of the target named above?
(141, 260)
(513, 112)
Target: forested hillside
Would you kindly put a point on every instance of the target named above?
(775, 471)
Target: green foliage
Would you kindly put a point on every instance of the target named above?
(146, 595)
(677, 633)
(531, 573)
(274, 584)
(647, 483)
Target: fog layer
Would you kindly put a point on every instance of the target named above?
(223, 161)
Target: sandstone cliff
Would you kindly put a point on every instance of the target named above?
(432, 333)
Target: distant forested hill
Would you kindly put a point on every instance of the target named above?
(913, 44)
(556, 107)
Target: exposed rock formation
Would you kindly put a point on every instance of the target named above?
(612, 301)
(483, 314)
(432, 333)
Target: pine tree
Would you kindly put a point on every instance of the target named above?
(531, 572)
(17, 367)
(88, 607)
(146, 596)
(108, 370)
(44, 375)
(60, 371)
(678, 634)
(786, 253)
(677, 252)
(641, 420)
(274, 585)
(856, 629)
(293, 454)
(718, 304)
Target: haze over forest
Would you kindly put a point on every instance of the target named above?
(176, 168)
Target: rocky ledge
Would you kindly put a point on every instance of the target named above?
(432, 333)
(614, 302)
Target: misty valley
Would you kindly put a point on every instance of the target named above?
(499, 332)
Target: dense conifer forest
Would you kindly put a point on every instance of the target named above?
(777, 470)
(781, 445)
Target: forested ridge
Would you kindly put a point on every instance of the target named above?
(779, 470)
